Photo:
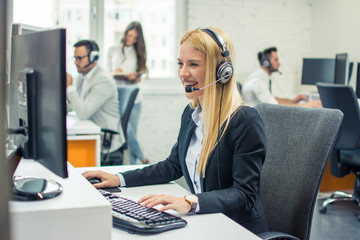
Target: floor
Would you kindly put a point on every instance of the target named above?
(339, 222)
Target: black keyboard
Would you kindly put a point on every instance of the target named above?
(134, 218)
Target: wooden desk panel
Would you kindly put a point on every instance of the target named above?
(81, 153)
(84, 150)
(331, 183)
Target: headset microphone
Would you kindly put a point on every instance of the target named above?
(88, 64)
(192, 89)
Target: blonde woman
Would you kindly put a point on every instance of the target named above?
(221, 144)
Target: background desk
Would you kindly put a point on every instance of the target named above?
(200, 226)
(331, 183)
(84, 142)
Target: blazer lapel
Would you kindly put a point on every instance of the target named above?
(202, 179)
(184, 146)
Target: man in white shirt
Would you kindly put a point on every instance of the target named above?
(93, 95)
(257, 88)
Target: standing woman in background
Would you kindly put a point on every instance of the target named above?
(126, 63)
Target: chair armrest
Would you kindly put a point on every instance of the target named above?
(109, 131)
(107, 138)
(276, 236)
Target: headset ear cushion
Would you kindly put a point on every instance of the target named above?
(94, 56)
(224, 70)
(266, 63)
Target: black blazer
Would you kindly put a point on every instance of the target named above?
(242, 153)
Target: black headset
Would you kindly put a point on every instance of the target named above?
(224, 70)
(94, 52)
(264, 60)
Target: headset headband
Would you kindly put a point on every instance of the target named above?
(218, 39)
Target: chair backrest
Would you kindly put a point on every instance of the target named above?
(127, 96)
(239, 87)
(299, 142)
(343, 97)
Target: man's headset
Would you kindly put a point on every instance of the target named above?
(93, 54)
(264, 60)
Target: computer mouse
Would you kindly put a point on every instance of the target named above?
(94, 180)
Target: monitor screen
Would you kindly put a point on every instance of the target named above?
(318, 70)
(341, 68)
(38, 73)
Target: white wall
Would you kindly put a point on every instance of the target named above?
(256, 25)
(336, 29)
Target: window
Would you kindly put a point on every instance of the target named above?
(158, 22)
(87, 19)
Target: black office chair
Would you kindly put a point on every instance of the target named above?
(126, 96)
(345, 157)
(299, 142)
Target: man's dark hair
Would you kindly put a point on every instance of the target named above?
(266, 54)
(89, 44)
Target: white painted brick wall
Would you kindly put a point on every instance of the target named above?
(255, 25)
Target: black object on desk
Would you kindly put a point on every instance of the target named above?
(94, 180)
(134, 218)
(112, 189)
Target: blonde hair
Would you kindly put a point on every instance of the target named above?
(231, 100)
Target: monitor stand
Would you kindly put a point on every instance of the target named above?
(26, 188)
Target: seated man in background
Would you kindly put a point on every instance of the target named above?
(257, 88)
(93, 95)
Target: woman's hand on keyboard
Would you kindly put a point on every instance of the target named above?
(107, 179)
(170, 202)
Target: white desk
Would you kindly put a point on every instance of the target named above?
(80, 212)
(200, 226)
(86, 131)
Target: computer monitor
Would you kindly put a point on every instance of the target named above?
(341, 68)
(317, 70)
(38, 73)
(358, 81)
